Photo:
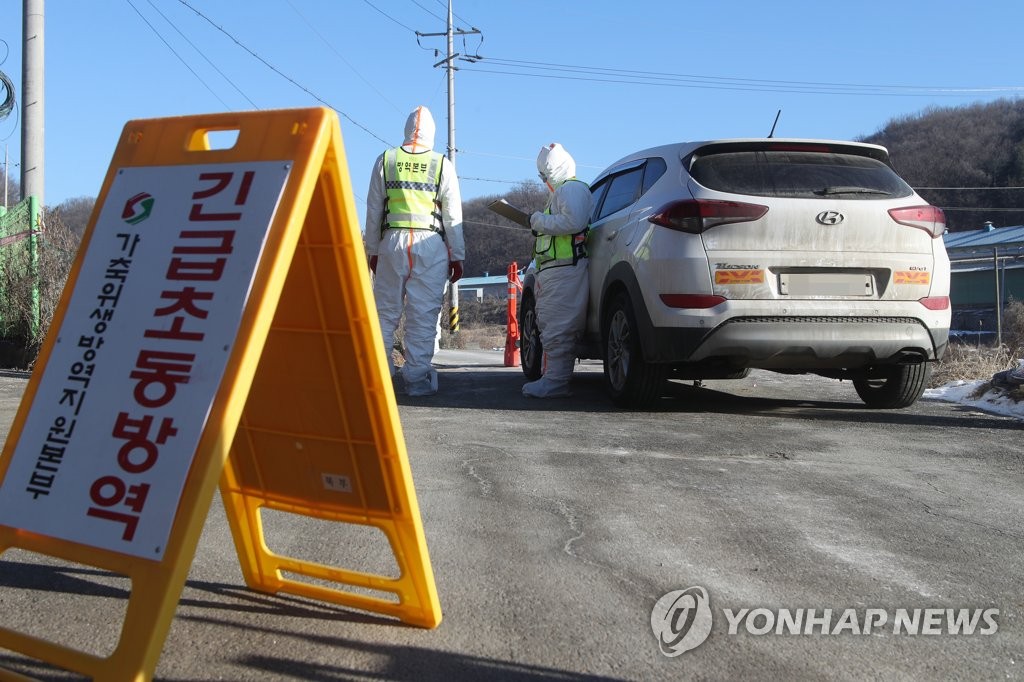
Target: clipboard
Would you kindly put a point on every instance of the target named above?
(507, 210)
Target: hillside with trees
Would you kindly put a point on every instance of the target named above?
(492, 242)
(969, 152)
(957, 158)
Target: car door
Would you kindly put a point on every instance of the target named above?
(614, 193)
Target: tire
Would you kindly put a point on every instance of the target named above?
(630, 380)
(892, 387)
(531, 351)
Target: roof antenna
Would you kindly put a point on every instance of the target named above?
(772, 133)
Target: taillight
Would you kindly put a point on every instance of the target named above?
(928, 218)
(935, 302)
(702, 301)
(697, 215)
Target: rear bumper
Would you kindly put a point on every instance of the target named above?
(827, 334)
(799, 343)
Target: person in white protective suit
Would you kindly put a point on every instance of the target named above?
(560, 255)
(414, 241)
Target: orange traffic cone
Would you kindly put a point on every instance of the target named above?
(512, 328)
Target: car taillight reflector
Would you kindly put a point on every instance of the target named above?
(697, 215)
(928, 218)
(702, 301)
(935, 302)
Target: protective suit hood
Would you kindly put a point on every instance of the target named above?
(419, 131)
(555, 164)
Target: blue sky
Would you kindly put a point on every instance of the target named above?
(602, 78)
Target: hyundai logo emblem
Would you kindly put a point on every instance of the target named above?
(830, 217)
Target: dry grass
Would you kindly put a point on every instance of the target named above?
(482, 325)
(488, 337)
(971, 362)
(968, 362)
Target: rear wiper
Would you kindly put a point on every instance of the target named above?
(850, 190)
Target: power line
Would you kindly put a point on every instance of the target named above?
(519, 158)
(515, 228)
(437, 88)
(497, 156)
(283, 75)
(14, 128)
(708, 86)
(201, 54)
(389, 16)
(10, 98)
(7, 106)
(725, 79)
(453, 13)
(628, 76)
(506, 182)
(428, 11)
(340, 56)
(175, 53)
(781, 82)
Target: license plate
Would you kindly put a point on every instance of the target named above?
(825, 284)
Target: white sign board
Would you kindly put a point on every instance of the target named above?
(125, 395)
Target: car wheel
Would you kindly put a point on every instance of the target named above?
(531, 352)
(893, 386)
(630, 380)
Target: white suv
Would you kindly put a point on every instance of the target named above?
(798, 256)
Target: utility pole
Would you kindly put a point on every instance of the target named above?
(449, 64)
(451, 87)
(32, 110)
(32, 141)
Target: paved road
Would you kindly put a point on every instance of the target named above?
(555, 526)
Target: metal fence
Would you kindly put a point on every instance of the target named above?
(20, 227)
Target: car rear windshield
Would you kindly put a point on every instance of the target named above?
(800, 174)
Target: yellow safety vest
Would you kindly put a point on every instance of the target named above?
(411, 185)
(552, 251)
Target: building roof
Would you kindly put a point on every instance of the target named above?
(978, 239)
(483, 281)
(985, 265)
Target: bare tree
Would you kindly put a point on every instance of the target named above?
(9, 189)
(971, 151)
(32, 290)
(74, 213)
(492, 242)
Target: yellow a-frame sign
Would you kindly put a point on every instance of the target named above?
(217, 325)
